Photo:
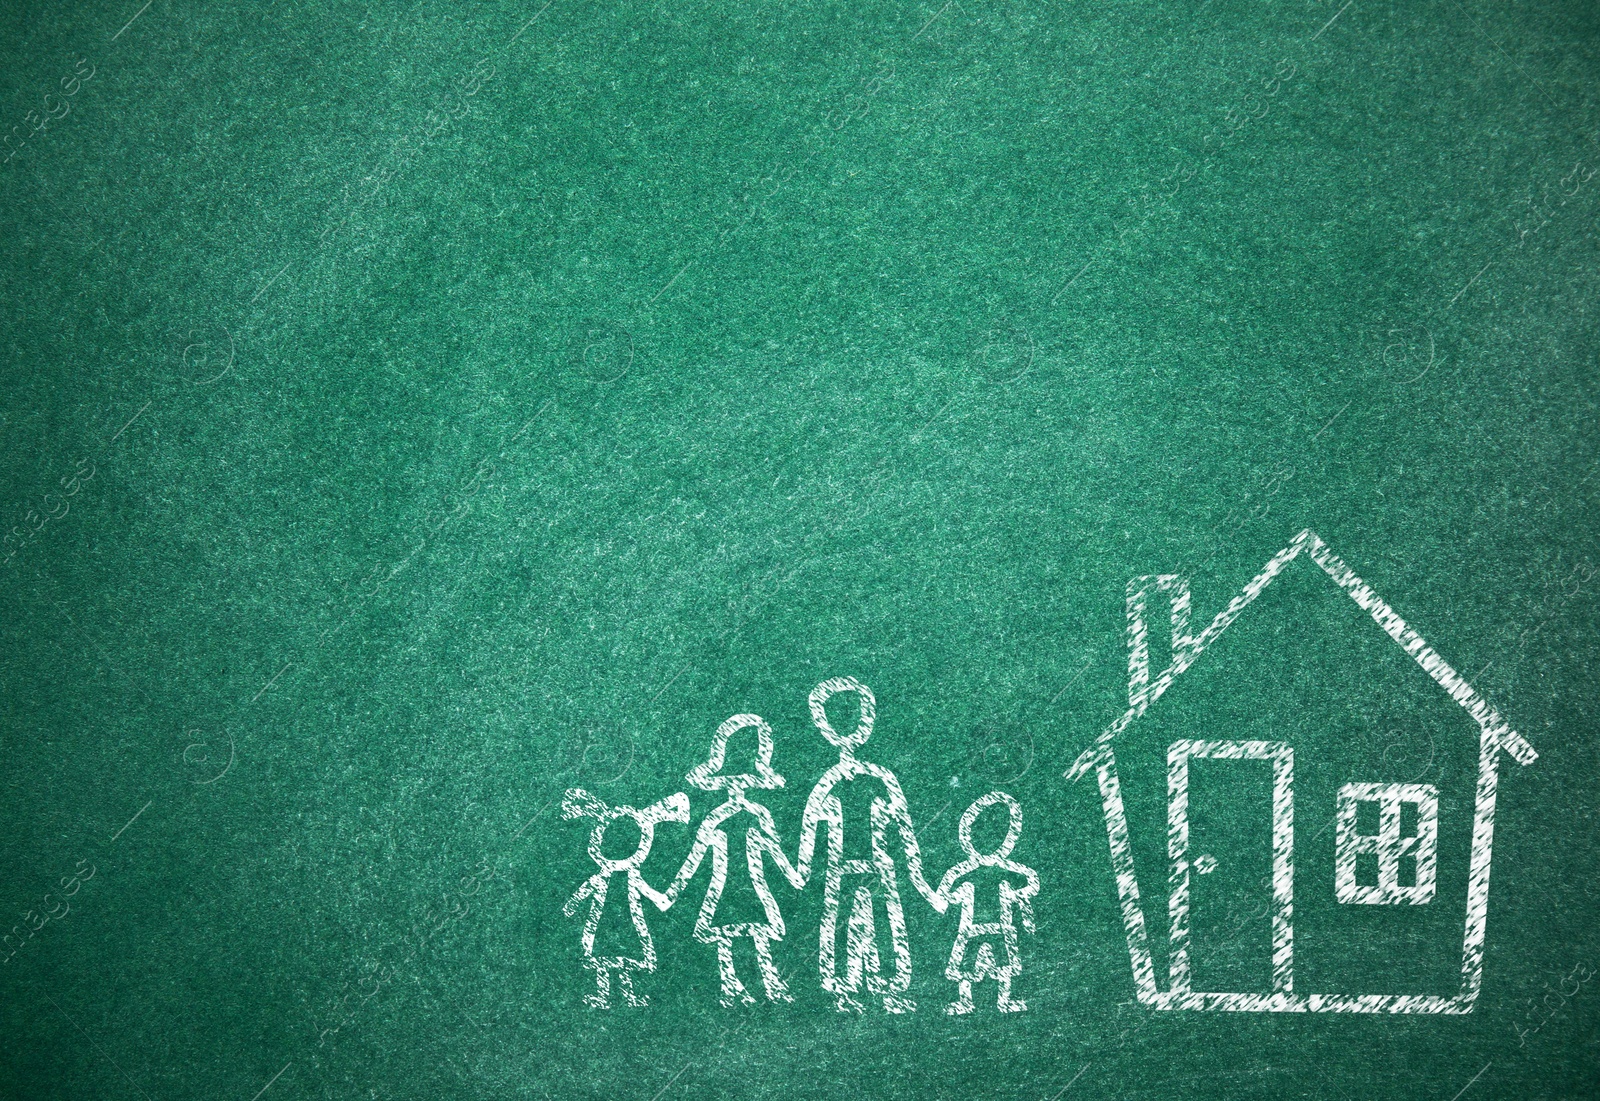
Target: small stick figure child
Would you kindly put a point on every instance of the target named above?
(578, 803)
(972, 959)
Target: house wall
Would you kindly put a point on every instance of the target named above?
(1380, 720)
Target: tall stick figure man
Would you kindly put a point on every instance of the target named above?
(871, 882)
(757, 840)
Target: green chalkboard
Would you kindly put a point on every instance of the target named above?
(904, 549)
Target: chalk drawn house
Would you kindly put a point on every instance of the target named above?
(1371, 852)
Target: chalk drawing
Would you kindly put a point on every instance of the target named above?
(1387, 844)
(972, 959)
(1144, 689)
(578, 803)
(873, 881)
(1282, 758)
(760, 841)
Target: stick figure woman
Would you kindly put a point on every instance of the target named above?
(719, 921)
(578, 803)
(978, 939)
(871, 881)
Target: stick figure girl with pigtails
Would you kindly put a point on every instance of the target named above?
(726, 917)
(614, 947)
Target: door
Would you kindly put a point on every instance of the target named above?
(1230, 822)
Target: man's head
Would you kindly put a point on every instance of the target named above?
(845, 743)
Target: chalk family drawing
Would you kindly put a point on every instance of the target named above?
(866, 889)
(869, 885)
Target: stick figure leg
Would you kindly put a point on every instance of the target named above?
(777, 989)
(894, 989)
(625, 974)
(861, 946)
(601, 998)
(732, 989)
(1005, 1002)
(827, 949)
(962, 1004)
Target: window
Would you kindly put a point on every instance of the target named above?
(1398, 863)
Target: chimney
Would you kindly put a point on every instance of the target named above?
(1169, 593)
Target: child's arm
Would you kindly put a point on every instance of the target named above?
(1021, 901)
(965, 895)
(691, 864)
(1025, 909)
(571, 907)
(662, 901)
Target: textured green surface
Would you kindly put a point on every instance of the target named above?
(707, 355)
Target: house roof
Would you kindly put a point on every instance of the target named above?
(1142, 692)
